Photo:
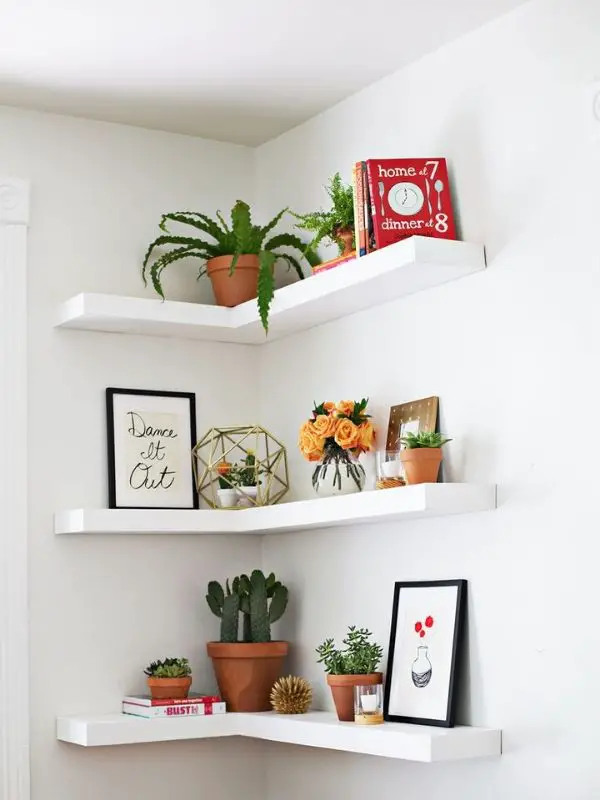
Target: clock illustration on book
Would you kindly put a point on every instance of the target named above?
(406, 198)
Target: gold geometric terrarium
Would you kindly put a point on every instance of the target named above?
(240, 467)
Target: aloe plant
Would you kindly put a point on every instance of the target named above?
(218, 238)
(412, 441)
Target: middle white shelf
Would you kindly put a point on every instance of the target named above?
(387, 505)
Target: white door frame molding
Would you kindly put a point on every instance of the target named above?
(14, 632)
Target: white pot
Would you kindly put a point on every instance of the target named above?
(247, 496)
(227, 498)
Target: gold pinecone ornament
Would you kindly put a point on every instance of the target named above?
(291, 695)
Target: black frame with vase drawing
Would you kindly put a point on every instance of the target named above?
(423, 657)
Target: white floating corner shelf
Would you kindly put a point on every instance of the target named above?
(401, 269)
(388, 505)
(315, 729)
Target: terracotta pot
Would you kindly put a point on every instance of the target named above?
(246, 672)
(342, 690)
(421, 464)
(231, 290)
(161, 688)
(345, 235)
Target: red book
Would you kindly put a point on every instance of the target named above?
(335, 262)
(149, 701)
(410, 197)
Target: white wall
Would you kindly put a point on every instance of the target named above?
(101, 607)
(513, 355)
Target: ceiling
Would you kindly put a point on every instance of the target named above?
(236, 70)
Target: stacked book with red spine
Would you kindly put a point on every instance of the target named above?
(143, 705)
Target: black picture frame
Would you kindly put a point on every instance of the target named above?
(111, 394)
(457, 638)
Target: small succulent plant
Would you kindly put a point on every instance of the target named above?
(169, 668)
(358, 656)
(412, 441)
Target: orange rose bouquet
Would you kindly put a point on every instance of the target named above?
(335, 436)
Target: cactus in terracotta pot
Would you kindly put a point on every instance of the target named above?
(247, 670)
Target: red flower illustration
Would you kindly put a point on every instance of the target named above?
(429, 622)
(418, 626)
(422, 634)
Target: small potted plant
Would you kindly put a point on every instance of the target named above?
(238, 257)
(353, 665)
(422, 456)
(248, 481)
(227, 493)
(335, 225)
(247, 670)
(170, 678)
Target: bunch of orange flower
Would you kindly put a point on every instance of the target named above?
(344, 426)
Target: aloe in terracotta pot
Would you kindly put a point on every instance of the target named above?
(238, 256)
(355, 664)
(170, 678)
(422, 456)
(247, 670)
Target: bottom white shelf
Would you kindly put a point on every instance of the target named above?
(315, 729)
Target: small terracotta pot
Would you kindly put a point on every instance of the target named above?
(342, 690)
(161, 688)
(246, 672)
(231, 290)
(421, 464)
(345, 235)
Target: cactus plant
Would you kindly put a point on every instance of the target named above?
(262, 601)
(226, 605)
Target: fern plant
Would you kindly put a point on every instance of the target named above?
(218, 238)
(327, 225)
(412, 441)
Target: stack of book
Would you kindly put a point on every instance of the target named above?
(143, 705)
(395, 198)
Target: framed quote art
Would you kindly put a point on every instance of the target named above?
(425, 639)
(150, 436)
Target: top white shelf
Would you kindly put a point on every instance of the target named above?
(401, 269)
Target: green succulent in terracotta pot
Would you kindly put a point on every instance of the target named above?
(170, 678)
(422, 456)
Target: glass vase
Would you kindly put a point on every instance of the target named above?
(338, 472)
